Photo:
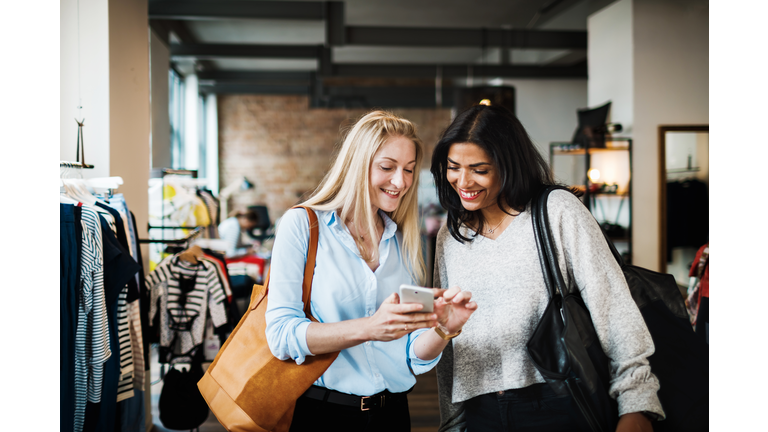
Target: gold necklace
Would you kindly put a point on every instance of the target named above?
(490, 231)
(362, 236)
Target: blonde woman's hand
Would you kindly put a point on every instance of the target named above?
(394, 320)
(453, 308)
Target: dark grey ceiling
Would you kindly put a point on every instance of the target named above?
(249, 46)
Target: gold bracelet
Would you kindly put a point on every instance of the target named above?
(445, 336)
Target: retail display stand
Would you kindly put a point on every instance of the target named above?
(596, 194)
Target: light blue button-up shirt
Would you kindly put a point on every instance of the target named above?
(343, 288)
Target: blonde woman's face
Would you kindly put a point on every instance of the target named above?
(392, 173)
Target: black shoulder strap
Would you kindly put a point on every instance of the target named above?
(545, 244)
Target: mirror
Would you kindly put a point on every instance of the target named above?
(684, 197)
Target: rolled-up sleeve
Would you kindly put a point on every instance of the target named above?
(419, 366)
(618, 322)
(286, 321)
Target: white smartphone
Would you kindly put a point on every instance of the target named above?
(417, 294)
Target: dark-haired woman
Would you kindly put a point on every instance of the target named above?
(487, 170)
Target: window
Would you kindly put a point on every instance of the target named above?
(176, 111)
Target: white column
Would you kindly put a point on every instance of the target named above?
(191, 139)
(212, 143)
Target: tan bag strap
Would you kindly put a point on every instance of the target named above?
(309, 268)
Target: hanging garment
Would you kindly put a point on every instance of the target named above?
(92, 340)
(698, 292)
(184, 294)
(212, 205)
(128, 294)
(119, 268)
(69, 245)
(687, 214)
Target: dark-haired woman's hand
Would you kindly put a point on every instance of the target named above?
(453, 308)
(634, 422)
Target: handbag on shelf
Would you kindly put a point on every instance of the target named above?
(566, 351)
(246, 387)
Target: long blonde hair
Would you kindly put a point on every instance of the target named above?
(340, 188)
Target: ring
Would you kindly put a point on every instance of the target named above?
(406, 327)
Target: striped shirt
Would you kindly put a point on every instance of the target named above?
(117, 202)
(125, 383)
(178, 311)
(92, 337)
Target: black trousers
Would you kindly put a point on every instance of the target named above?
(314, 415)
(534, 408)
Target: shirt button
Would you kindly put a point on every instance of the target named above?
(370, 312)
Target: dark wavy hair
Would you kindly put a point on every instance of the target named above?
(522, 170)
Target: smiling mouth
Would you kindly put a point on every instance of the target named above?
(468, 195)
(393, 194)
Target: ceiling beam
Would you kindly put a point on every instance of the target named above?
(459, 70)
(382, 70)
(335, 24)
(249, 88)
(255, 77)
(456, 37)
(163, 28)
(212, 51)
(234, 9)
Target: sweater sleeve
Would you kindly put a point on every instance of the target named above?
(589, 265)
(451, 414)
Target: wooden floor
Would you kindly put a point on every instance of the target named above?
(422, 402)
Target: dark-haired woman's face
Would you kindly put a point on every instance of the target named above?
(473, 176)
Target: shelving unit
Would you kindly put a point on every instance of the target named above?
(619, 231)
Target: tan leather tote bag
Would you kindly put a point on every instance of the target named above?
(246, 387)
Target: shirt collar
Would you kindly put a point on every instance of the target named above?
(333, 221)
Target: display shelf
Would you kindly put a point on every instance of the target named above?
(590, 198)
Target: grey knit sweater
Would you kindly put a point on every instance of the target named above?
(504, 276)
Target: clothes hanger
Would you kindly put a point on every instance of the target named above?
(76, 189)
(192, 255)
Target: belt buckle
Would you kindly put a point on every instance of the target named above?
(362, 403)
(364, 398)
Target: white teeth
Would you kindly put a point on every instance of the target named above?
(469, 194)
(391, 193)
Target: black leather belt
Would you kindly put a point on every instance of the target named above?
(365, 403)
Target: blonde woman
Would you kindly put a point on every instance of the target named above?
(369, 244)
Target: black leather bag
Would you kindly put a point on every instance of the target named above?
(564, 346)
(181, 405)
(680, 361)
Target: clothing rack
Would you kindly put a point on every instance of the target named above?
(161, 173)
(184, 240)
(67, 164)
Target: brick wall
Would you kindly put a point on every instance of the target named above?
(284, 147)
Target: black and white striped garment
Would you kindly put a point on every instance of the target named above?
(125, 383)
(92, 337)
(205, 299)
(134, 316)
